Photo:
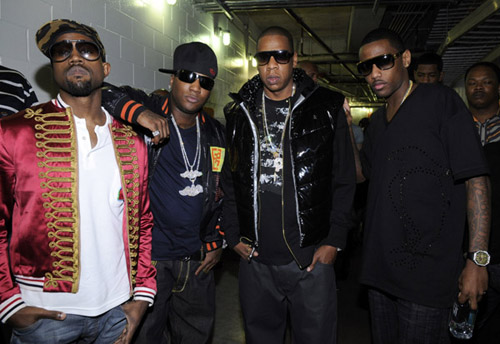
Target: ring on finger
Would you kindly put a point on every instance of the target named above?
(156, 133)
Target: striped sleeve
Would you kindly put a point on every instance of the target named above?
(130, 110)
(11, 306)
(213, 245)
(144, 294)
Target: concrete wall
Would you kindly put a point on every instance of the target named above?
(139, 36)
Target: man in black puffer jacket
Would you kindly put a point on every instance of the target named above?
(294, 179)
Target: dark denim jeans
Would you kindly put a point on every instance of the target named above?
(184, 308)
(397, 321)
(269, 292)
(103, 329)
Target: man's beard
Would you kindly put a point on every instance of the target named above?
(79, 89)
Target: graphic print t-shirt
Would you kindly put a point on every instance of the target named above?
(276, 111)
(272, 247)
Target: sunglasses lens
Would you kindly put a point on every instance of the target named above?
(186, 76)
(61, 51)
(365, 68)
(282, 57)
(384, 62)
(88, 50)
(263, 57)
(206, 83)
(190, 77)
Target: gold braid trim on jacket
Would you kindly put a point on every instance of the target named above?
(129, 166)
(57, 146)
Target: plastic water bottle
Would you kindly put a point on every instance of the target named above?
(462, 320)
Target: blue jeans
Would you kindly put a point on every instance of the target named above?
(397, 321)
(103, 329)
(184, 308)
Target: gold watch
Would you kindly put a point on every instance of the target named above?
(481, 258)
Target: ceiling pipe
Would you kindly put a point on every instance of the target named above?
(251, 5)
(235, 20)
(318, 40)
(481, 13)
(225, 9)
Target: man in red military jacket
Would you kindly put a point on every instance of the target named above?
(74, 200)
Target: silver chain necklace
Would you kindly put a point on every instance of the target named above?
(190, 172)
(276, 151)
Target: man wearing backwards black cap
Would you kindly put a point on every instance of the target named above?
(186, 196)
(73, 197)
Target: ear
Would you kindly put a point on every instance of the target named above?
(406, 58)
(295, 59)
(172, 77)
(441, 76)
(106, 68)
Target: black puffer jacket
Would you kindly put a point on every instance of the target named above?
(322, 163)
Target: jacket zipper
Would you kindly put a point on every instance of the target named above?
(256, 196)
(299, 101)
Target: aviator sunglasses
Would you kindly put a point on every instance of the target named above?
(280, 56)
(190, 77)
(61, 51)
(383, 62)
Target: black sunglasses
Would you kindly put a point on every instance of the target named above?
(383, 62)
(280, 56)
(62, 50)
(190, 77)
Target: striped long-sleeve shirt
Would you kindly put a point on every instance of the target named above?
(16, 93)
(489, 131)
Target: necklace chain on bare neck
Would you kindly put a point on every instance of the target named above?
(190, 173)
(277, 151)
(410, 85)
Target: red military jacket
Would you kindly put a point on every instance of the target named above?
(39, 205)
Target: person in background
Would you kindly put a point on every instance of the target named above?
(186, 188)
(429, 69)
(355, 131)
(310, 68)
(294, 178)
(482, 89)
(16, 93)
(74, 200)
(426, 171)
(482, 92)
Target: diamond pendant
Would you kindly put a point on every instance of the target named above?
(192, 190)
(278, 164)
(191, 175)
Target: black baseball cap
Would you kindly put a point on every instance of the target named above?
(195, 57)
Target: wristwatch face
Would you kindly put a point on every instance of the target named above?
(481, 258)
